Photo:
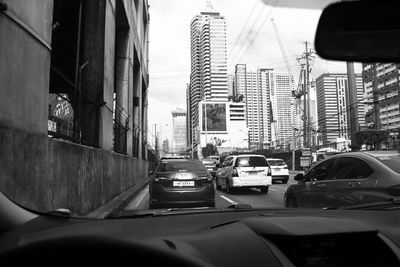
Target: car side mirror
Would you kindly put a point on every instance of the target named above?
(151, 172)
(299, 177)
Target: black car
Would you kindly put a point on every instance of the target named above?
(181, 183)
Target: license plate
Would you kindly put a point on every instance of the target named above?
(183, 183)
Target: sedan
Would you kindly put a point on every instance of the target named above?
(347, 179)
(181, 183)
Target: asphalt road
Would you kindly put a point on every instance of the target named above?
(253, 197)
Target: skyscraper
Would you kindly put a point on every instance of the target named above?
(268, 105)
(333, 106)
(386, 91)
(209, 71)
(179, 131)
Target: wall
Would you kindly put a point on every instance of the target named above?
(46, 174)
(25, 35)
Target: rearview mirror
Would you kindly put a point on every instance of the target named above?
(347, 32)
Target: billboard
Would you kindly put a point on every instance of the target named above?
(213, 117)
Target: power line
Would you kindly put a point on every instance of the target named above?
(248, 33)
(243, 28)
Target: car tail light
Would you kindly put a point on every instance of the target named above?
(159, 179)
(235, 173)
(269, 173)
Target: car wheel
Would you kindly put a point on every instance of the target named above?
(291, 202)
(228, 188)
(264, 189)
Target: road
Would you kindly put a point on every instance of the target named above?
(253, 197)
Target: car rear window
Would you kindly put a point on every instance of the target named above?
(251, 162)
(182, 166)
(276, 162)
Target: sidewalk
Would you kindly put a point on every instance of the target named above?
(119, 201)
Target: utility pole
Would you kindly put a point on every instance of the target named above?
(353, 111)
(305, 61)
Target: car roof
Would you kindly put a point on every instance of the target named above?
(249, 155)
(274, 159)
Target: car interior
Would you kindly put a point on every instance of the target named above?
(237, 235)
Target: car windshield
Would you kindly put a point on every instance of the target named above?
(181, 166)
(276, 162)
(96, 97)
(251, 162)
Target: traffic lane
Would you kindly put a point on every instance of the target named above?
(253, 197)
(256, 199)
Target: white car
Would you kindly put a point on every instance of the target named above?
(244, 171)
(279, 170)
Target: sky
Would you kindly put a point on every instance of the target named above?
(251, 40)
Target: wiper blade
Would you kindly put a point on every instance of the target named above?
(380, 205)
(239, 206)
(162, 212)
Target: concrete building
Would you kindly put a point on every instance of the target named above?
(74, 79)
(179, 143)
(269, 113)
(386, 80)
(209, 71)
(333, 106)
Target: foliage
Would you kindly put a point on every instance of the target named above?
(209, 150)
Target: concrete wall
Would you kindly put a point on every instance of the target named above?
(25, 36)
(46, 174)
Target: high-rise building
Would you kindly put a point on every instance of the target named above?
(282, 96)
(333, 106)
(268, 105)
(209, 68)
(386, 93)
(179, 131)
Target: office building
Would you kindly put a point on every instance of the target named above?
(179, 131)
(209, 71)
(386, 93)
(333, 106)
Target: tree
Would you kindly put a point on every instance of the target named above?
(209, 150)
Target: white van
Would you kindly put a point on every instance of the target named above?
(244, 171)
(279, 170)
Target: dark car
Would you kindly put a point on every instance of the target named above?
(347, 179)
(211, 166)
(181, 183)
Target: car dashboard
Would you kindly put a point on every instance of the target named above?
(275, 237)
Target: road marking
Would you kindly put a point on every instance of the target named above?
(228, 199)
(134, 204)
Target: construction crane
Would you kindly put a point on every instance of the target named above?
(295, 91)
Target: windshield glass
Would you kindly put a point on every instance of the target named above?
(184, 166)
(251, 162)
(96, 98)
(276, 162)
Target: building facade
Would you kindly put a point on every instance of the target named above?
(209, 71)
(334, 107)
(83, 81)
(382, 83)
(178, 143)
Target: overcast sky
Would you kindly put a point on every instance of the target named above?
(250, 40)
